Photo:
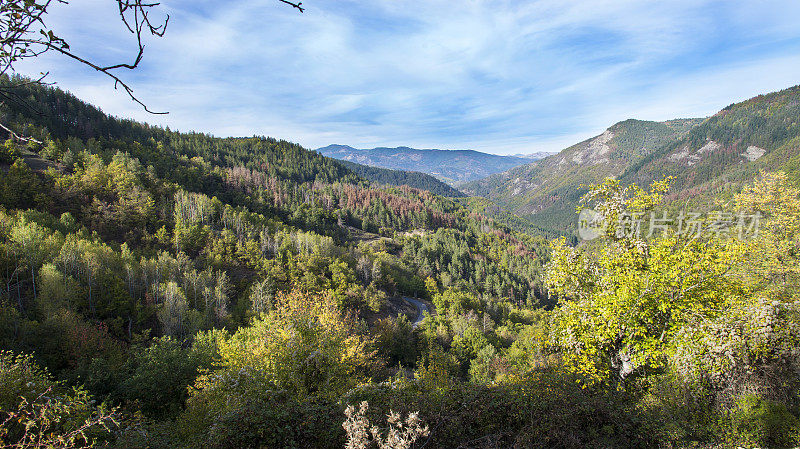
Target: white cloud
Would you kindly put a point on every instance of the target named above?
(500, 76)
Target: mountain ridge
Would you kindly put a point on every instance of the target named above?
(451, 166)
(546, 191)
(703, 156)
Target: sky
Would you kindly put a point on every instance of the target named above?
(496, 76)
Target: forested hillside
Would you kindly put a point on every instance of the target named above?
(729, 149)
(414, 179)
(546, 192)
(178, 290)
(709, 157)
(502, 215)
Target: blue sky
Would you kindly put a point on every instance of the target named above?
(495, 76)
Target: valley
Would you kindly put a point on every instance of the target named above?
(204, 287)
(180, 269)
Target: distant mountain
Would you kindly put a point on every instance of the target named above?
(415, 179)
(451, 166)
(708, 158)
(535, 156)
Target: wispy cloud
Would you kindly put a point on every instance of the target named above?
(498, 76)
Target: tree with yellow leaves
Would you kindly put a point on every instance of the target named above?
(774, 256)
(303, 347)
(622, 304)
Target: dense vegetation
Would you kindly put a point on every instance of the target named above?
(163, 289)
(483, 206)
(414, 179)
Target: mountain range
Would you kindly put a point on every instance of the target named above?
(705, 156)
(451, 166)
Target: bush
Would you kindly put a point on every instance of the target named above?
(38, 412)
(276, 420)
(8, 152)
(158, 375)
(546, 409)
(676, 412)
(20, 377)
(758, 422)
(242, 412)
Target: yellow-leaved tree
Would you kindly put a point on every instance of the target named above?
(305, 346)
(622, 301)
(774, 256)
(753, 347)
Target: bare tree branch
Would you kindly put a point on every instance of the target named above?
(18, 137)
(24, 34)
(297, 5)
(107, 71)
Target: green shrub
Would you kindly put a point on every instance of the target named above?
(546, 409)
(8, 152)
(20, 377)
(758, 422)
(158, 375)
(37, 412)
(276, 420)
(676, 412)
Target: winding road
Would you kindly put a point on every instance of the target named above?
(421, 309)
